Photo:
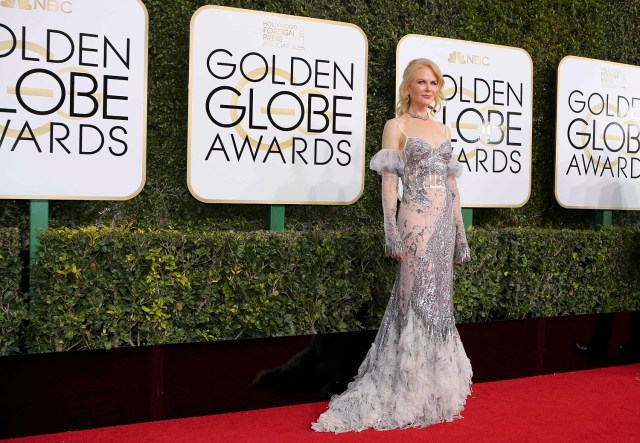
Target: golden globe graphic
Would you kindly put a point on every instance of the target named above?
(277, 108)
(72, 101)
(488, 109)
(598, 135)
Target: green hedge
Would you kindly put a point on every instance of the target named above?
(117, 287)
(519, 273)
(548, 30)
(103, 288)
(13, 307)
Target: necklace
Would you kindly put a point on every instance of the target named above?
(421, 117)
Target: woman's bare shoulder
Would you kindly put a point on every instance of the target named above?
(392, 134)
(443, 128)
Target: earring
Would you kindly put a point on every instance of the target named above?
(435, 109)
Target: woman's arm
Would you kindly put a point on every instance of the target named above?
(390, 159)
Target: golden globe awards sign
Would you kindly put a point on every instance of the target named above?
(598, 135)
(488, 92)
(72, 99)
(276, 108)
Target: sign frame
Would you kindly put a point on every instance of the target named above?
(143, 92)
(560, 132)
(190, 136)
(441, 64)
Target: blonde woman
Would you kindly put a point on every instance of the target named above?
(416, 372)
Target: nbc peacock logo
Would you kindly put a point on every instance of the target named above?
(20, 4)
(458, 57)
(62, 6)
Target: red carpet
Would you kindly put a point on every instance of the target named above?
(601, 405)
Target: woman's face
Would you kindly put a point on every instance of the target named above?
(423, 88)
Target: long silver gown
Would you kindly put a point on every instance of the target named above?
(416, 372)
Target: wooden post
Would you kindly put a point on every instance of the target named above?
(604, 218)
(276, 217)
(467, 217)
(38, 222)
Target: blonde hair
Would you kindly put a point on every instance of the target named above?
(407, 76)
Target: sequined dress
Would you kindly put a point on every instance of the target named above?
(416, 373)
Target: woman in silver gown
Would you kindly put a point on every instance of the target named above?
(416, 372)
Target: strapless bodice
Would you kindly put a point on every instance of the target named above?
(425, 167)
(419, 154)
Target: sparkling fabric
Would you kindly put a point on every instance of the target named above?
(416, 372)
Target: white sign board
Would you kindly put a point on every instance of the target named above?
(598, 135)
(488, 92)
(277, 108)
(72, 99)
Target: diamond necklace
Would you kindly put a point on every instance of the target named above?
(421, 117)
